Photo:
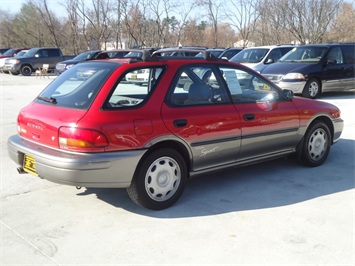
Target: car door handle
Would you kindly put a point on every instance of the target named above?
(248, 117)
(180, 123)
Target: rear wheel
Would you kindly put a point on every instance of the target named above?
(316, 145)
(160, 179)
(311, 89)
(26, 70)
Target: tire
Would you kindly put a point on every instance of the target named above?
(316, 145)
(26, 70)
(312, 89)
(159, 180)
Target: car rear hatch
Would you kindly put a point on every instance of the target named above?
(52, 118)
(41, 123)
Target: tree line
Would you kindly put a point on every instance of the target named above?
(96, 24)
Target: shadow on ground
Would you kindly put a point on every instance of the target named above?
(267, 185)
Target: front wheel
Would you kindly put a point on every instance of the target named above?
(316, 145)
(311, 89)
(159, 180)
(26, 70)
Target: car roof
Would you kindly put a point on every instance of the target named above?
(147, 56)
(269, 46)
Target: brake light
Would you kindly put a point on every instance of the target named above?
(78, 139)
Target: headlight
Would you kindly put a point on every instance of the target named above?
(297, 76)
(12, 61)
(69, 66)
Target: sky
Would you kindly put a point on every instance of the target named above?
(14, 6)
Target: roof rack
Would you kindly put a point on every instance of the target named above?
(149, 55)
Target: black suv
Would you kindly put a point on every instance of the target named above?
(312, 69)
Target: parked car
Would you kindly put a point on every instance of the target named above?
(17, 55)
(34, 60)
(185, 51)
(3, 50)
(215, 51)
(11, 52)
(310, 70)
(139, 76)
(89, 129)
(85, 56)
(113, 54)
(260, 57)
(228, 53)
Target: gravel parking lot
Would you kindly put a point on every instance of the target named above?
(275, 213)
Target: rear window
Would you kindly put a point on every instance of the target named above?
(77, 87)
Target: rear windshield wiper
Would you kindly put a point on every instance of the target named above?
(48, 100)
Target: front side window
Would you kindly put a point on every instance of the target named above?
(335, 56)
(247, 87)
(135, 89)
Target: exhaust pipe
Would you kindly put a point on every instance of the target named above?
(21, 171)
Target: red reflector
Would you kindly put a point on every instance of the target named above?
(78, 139)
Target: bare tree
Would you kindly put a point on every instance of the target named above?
(73, 36)
(243, 15)
(116, 21)
(306, 20)
(184, 11)
(213, 11)
(342, 28)
(95, 21)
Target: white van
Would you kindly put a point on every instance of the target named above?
(260, 57)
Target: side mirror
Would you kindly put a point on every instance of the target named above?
(269, 61)
(36, 55)
(288, 94)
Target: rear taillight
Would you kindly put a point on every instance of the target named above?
(78, 139)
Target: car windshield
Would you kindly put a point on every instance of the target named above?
(9, 52)
(77, 87)
(308, 54)
(83, 56)
(21, 53)
(31, 52)
(250, 55)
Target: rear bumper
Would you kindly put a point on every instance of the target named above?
(109, 169)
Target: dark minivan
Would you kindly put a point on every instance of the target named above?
(310, 70)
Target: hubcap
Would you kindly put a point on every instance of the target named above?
(313, 89)
(317, 144)
(162, 179)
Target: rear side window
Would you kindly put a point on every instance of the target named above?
(198, 85)
(53, 52)
(134, 89)
(77, 87)
(349, 54)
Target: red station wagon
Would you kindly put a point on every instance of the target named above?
(91, 128)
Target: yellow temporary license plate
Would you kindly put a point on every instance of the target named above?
(134, 76)
(29, 165)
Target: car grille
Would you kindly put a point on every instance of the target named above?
(60, 66)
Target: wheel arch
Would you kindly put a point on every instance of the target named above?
(324, 119)
(173, 144)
